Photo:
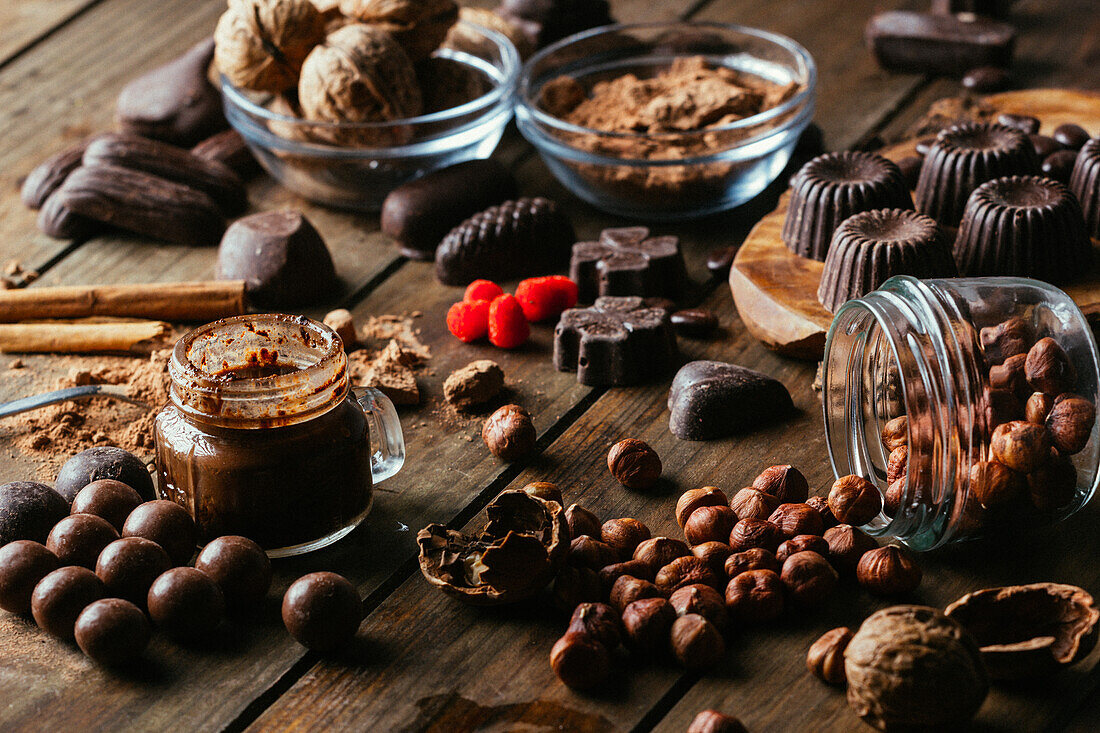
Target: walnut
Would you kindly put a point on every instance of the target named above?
(418, 25)
(261, 44)
(359, 74)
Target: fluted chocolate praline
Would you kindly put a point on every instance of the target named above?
(832, 187)
(964, 157)
(1028, 226)
(1085, 184)
(870, 248)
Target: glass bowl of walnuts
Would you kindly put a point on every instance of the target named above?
(342, 108)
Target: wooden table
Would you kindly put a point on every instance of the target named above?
(423, 661)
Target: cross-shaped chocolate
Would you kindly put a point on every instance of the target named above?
(627, 261)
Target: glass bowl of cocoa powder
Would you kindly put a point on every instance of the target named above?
(666, 121)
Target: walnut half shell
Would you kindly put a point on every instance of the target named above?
(1029, 630)
(515, 556)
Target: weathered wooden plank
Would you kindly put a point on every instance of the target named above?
(27, 21)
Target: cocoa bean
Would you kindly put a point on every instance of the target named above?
(58, 221)
(229, 149)
(48, 175)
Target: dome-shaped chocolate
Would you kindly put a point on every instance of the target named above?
(1028, 226)
(832, 187)
(870, 248)
(964, 157)
(1085, 184)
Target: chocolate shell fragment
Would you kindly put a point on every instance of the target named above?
(932, 43)
(616, 341)
(627, 261)
(713, 399)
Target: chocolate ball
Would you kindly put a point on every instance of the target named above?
(22, 564)
(185, 603)
(112, 631)
(60, 597)
(79, 538)
(166, 523)
(241, 569)
(28, 511)
(107, 498)
(322, 611)
(130, 565)
(104, 462)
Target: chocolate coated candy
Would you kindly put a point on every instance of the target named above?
(627, 261)
(986, 79)
(22, 564)
(322, 611)
(60, 597)
(281, 257)
(1024, 123)
(1072, 136)
(166, 523)
(185, 603)
(1059, 165)
(694, 322)
(616, 341)
(104, 462)
(130, 565)
(712, 399)
(418, 214)
(928, 43)
(79, 538)
(112, 631)
(176, 102)
(1044, 145)
(107, 498)
(720, 260)
(28, 511)
(241, 569)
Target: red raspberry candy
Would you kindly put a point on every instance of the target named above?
(507, 325)
(482, 290)
(543, 298)
(469, 322)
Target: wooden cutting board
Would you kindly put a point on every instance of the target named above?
(776, 291)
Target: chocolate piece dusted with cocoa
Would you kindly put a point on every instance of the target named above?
(616, 341)
(713, 399)
(929, 43)
(627, 261)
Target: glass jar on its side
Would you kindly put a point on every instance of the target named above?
(977, 445)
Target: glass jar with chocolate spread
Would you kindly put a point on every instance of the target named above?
(264, 437)
(969, 404)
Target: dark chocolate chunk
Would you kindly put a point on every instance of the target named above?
(166, 523)
(545, 21)
(1024, 123)
(22, 564)
(28, 511)
(990, 8)
(910, 167)
(130, 565)
(528, 236)
(48, 175)
(617, 341)
(1059, 165)
(176, 102)
(627, 261)
(694, 322)
(79, 538)
(107, 498)
(1044, 145)
(719, 261)
(230, 149)
(322, 611)
(929, 43)
(185, 603)
(112, 631)
(60, 597)
(1072, 136)
(985, 79)
(418, 214)
(281, 257)
(104, 462)
(712, 399)
(241, 569)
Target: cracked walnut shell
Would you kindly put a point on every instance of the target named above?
(261, 44)
(418, 25)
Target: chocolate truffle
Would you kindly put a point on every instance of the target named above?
(104, 462)
(964, 157)
(832, 187)
(185, 603)
(112, 631)
(322, 611)
(241, 569)
(22, 564)
(79, 538)
(713, 399)
(166, 523)
(1027, 226)
(28, 511)
(107, 498)
(616, 341)
(870, 248)
(1085, 184)
(60, 597)
(130, 565)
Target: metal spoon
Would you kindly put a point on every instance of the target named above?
(33, 402)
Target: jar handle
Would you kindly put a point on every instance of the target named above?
(386, 426)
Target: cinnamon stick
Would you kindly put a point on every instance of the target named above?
(189, 301)
(86, 337)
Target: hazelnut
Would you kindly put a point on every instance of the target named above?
(847, 545)
(894, 496)
(854, 500)
(825, 659)
(994, 485)
(1053, 485)
(821, 505)
(686, 571)
(628, 589)
(755, 596)
(895, 433)
(1070, 423)
(509, 433)
(796, 519)
(624, 534)
(802, 543)
(657, 552)
(582, 522)
(598, 620)
(808, 577)
(889, 571)
(546, 491)
(896, 464)
(585, 552)
(785, 483)
(1006, 339)
(580, 661)
(696, 643)
(755, 558)
(703, 600)
(634, 464)
(692, 499)
(261, 44)
(753, 504)
(1010, 376)
(1022, 446)
(709, 524)
(713, 554)
(646, 625)
(418, 25)
(574, 586)
(749, 533)
(1038, 407)
(1048, 368)
(633, 568)
(712, 721)
(1000, 406)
